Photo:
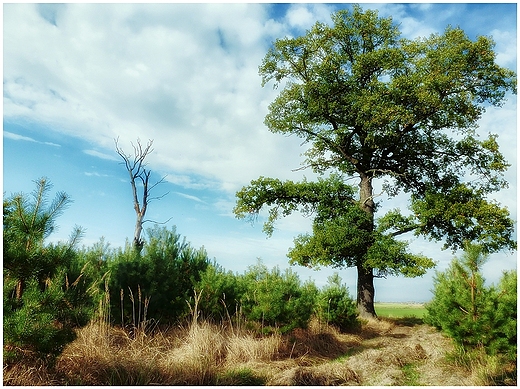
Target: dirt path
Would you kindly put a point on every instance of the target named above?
(406, 355)
(383, 353)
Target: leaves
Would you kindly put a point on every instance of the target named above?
(375, 103)
(287, 197)
(343, 234)
(463, 214)
(335, 305)
(370, 104)
(277, 298)
(41, 307)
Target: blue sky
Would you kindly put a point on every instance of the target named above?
(76, 76)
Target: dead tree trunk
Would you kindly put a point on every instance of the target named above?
(135, 165)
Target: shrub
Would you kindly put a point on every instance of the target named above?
(221, 292)
(471, 313)
(277, 299)
(335, 306)
(503, 316)
(157, 281)
(39, 323)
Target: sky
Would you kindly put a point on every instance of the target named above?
(78, 76)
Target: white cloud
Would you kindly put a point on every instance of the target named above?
(144, 71)
(506, 48)
(300, 16)
(13, 136)
(156, 71)
(96, 174)
(99, 154)
(191, 197)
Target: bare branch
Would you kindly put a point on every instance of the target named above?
(136, 167)
(370, 198)
(301, 168)
(156, 222)
(158, 182)
(158, 197)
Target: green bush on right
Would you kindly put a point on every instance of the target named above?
(471, 313)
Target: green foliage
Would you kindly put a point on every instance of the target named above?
(504, 316)
(343, 233)
(335, 306)
(44, 296)
(221, 292)
(90, 272)
(380, 104)
(463, 214)
(156, 282)
(471, 313)
(324, 196)
(40, 323)
(277, 299)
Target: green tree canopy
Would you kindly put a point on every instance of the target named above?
(372, 105)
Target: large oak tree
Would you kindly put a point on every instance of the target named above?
(372, 105)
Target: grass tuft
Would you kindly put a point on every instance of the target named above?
(240, 377)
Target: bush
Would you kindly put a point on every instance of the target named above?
(471, 313)
(39, 324)
(277, 299)
(335, 306)
(157, 281)
(221, 292)
(503, 316)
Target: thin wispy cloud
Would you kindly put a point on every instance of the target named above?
(99, 154)
(96, 174)
(190, 197)
(13, 136)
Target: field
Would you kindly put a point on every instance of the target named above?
(390, 351)
(400, 310)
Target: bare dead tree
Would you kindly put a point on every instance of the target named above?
(136, 167)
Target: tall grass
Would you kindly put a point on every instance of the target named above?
(197, 353)
(486, 370)
(203, 353)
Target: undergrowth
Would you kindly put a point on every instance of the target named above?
(204, 353)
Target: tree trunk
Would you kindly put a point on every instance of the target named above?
(365, 293)
(138, 242)
(365, 281)
(19, 289)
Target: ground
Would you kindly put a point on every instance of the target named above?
(388, 352)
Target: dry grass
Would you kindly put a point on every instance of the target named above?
(383, 352)
(30, 373)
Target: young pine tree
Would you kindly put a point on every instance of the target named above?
(39, 314)
(277, 299)
(471, 313)
(335, 306)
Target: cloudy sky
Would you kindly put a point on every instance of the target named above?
(78, 76)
